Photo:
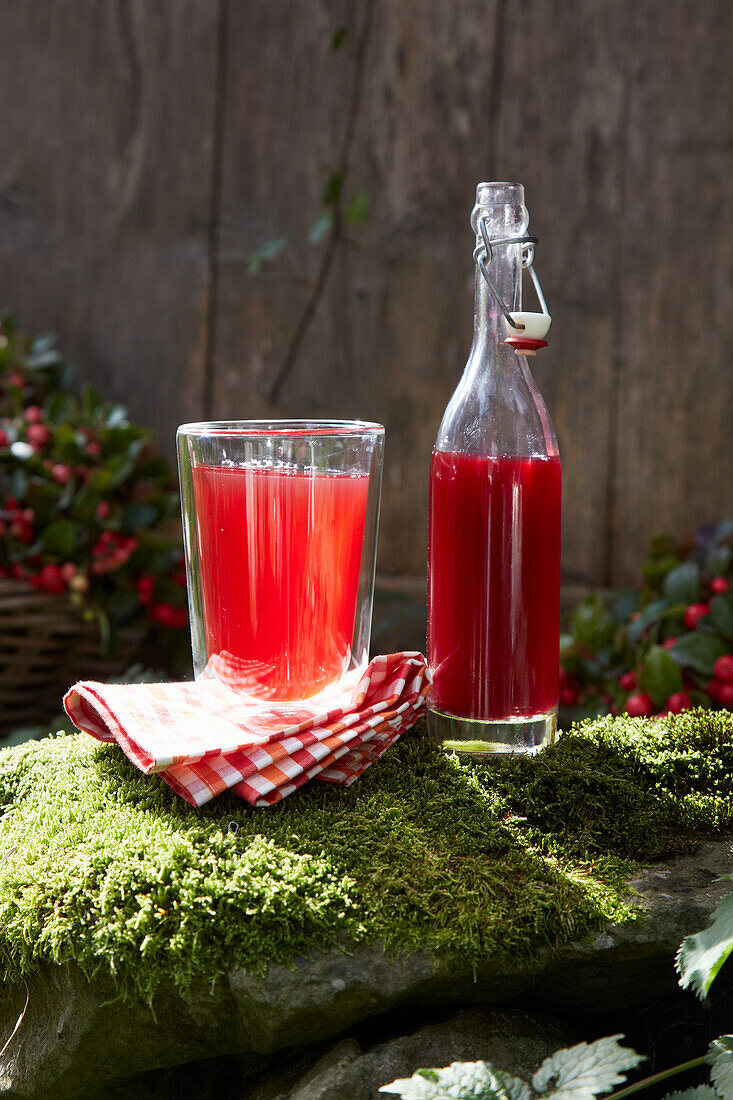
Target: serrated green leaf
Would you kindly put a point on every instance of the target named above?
(698, 652)
(661, 676)
(700, 1092)
(701, 956)
(460, 1081)
(682, 584)
(720, 1058)
(585, 1070)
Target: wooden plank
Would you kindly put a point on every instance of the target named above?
(105, 186)
(675, 425)
(453, 94)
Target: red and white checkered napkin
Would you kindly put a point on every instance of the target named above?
(203, 738)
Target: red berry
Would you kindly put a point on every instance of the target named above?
(694, 613)
(161, 613)
(93, 449)
(145, 587)
(568, 696)
(33, 415)
(723, 668)
(725, 695)
(16, 379)
(719, 585)
(639, 706)
(103, 509)
(68, 570)
(627, 681)
(21, 531)
(178, 618)
(11, 503)
(38, 435)
(52, 581)
(28, 515)
(664, 713)
(61, 473)
(18, 571)
(669, 642)
(4, 439)
(563, 674)
(679, 701)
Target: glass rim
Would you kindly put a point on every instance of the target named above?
(284, 428)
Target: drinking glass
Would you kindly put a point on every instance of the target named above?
(280, 530)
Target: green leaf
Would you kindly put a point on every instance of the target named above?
(117, 416)
(460, 1081)
(652, 613)
(585, 1070)
(105, 629)
(701, 956)
(724, 530)
(660, 546)
(320, 227)
(720, 1058)
(59, 408)
(700, 1092)
(357, 209)
(718, 561)
(19, 484)
(721, 615)
(592, 625)
(660, 676)
(332, 190)
(263, 255)
(59, 538)
(139, 515)
(339, 37)
(682, 584)
(698, 652)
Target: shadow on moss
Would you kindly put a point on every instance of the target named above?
(111, 869)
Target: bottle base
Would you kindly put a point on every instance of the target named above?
(480, 738)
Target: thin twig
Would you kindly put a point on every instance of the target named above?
(20, 1018)
(7, 856)
(336, 229)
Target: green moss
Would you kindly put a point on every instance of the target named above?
(112, 870)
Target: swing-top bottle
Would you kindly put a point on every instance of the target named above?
(494, 551)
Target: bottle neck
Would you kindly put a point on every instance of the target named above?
(489, 324)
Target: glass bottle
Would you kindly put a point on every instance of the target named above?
(494, 548)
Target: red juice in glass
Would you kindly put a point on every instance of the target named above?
(280, 555)
(494, 585)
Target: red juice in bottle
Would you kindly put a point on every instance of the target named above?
(493, 632)
(280, 555)
(494, 552)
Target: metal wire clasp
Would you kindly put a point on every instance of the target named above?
(483, 254)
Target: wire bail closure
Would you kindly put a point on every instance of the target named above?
(483, 254)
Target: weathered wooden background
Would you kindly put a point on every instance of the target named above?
(149, 147)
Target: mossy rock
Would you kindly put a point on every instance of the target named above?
(438, 872)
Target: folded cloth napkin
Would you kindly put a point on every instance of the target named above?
(204, 737)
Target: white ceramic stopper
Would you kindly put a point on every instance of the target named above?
(536, 325)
